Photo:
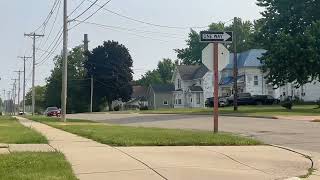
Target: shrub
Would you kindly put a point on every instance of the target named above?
(318, 103)
(144, 108)
(116, 108)
(287, 103)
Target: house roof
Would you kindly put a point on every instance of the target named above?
(190, 72)
(139, 91)
(248, 58)
(162, 88)
(228, 80)
(195, 88)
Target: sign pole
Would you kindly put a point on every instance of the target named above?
(216, 87)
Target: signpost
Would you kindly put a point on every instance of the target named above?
(216, 38)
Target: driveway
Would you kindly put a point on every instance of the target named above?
(297, 134)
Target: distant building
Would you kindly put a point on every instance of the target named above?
(138, 98)
(192, 84)
(160, 96)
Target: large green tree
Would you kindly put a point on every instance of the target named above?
(161, 75)
(290, 31)
(40, 100)
(78, 86)
(243, 30)
(111, 66)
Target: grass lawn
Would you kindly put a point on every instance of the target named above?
(31, 166)
(138, 136)
(266, 111)
(12, 132)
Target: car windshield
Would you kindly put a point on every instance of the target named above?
(52, 108)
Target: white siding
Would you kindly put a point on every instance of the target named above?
(262, 88)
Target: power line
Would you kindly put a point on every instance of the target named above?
(44, 24)
(85, 10)
(148, 23)
(75, 9)
(172, 35)
(53, 25)
(92, 14)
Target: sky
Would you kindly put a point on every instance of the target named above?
(147, 44)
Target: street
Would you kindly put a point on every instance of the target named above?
(297, 134)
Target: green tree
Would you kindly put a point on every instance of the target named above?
(161, 75)
(78, 85)
(111, 66)
(40, 100)
(243, 31)
(290, 32)
(165, 69)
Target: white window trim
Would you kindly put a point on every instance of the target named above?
(166, 102)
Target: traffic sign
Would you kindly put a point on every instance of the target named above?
(212, 36)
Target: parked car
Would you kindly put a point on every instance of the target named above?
(52, 111)
(265, 100)
(222, 102)
(243, 99)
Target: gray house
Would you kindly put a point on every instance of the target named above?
(160, 96)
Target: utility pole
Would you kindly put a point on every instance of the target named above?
(235, 68)
(8, 103)
(14, 89)
(34, 36)
(86, 49)
(19, 87)
(64, 62)
(4, 101)
(24, 83)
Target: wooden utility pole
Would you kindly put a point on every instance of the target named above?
(235, 68)
(24, 58)
(19, 87)
(64, 63)
(33, 36)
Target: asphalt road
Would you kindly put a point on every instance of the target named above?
(297, 134)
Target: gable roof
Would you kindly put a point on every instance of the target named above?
(138, 91)
(162, 88)
(190, 72)
(196, 88)
(248, 58)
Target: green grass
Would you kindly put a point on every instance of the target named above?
(12, 132)
(264, 111)
(138, 136)
(32, 166)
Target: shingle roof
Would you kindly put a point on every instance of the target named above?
(248, 58)
(195, 88)
(190, 72)
(162, 88)
(138, 91)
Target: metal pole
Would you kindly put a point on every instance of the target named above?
(64, 64)
(91, 95)
(235, 69)
(216, 87)
(19, 80)
(86, 49)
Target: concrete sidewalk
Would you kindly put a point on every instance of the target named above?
(94, 161)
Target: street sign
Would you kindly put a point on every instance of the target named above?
(212, 36)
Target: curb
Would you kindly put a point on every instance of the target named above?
(310, 170)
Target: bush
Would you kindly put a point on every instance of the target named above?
(144, 108)
(318, 103)
(117, 108)
(287, 104)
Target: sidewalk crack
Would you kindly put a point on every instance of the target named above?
(145, 164)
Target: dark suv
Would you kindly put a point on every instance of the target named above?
(243, 99)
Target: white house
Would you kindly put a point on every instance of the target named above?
(251, 80)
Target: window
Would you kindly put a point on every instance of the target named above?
(179, 101)
(200, 82)
(165, 102)
(256, 80)
(198, 98)
(179, 84)
(191, 100)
